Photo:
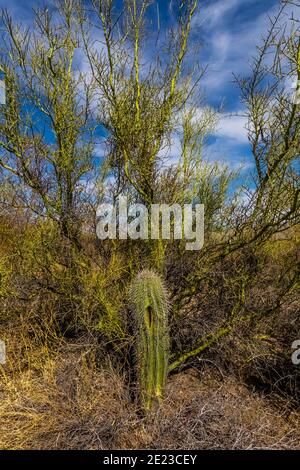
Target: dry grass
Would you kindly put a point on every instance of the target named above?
(68, 401)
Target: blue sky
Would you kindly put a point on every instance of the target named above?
(228, 31)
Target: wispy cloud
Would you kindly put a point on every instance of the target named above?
(232, 127)
(22, 11)
(230, 31)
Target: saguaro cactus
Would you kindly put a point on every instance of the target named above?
(150, 306)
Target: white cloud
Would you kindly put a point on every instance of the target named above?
(232, 127)
(226, 151)
(229, 43)
(214, 12)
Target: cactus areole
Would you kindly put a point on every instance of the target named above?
(150, 306)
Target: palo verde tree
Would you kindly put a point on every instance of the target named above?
(140, 98)
(270, 95)
(271, 98)
(146, 102)
(45, 127)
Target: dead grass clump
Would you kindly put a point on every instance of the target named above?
(71, 403)
(211, 412)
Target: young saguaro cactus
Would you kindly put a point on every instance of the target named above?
(150, 305)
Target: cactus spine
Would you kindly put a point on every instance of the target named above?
(150, 306)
